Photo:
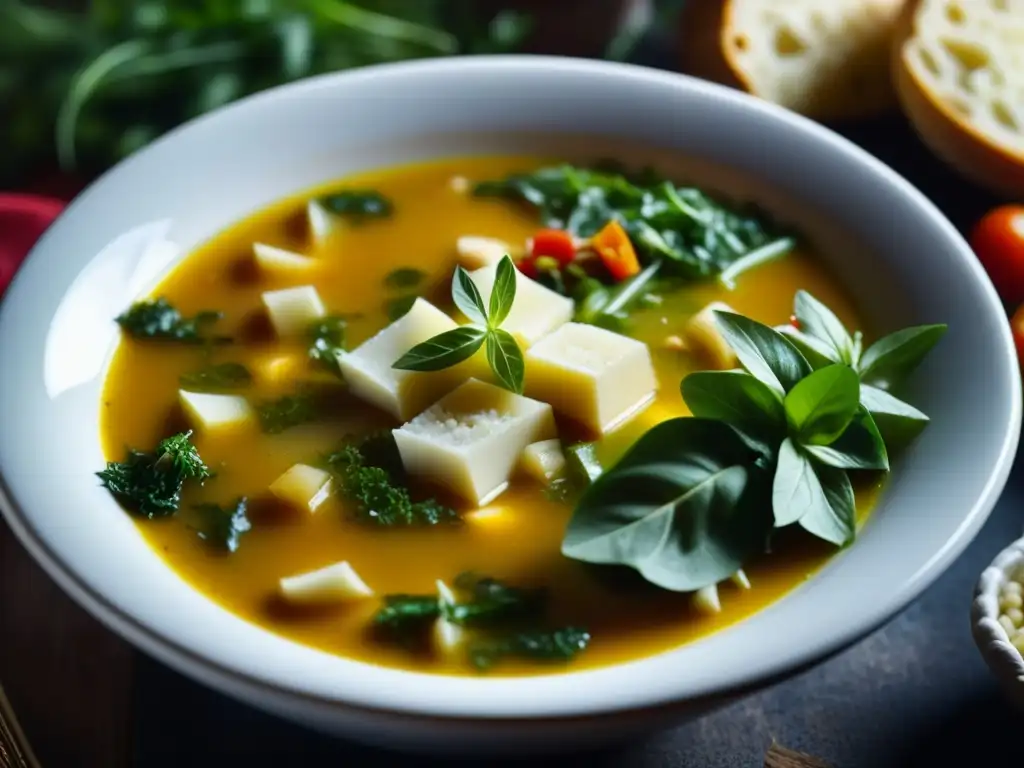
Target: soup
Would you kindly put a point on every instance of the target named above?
(495, 531)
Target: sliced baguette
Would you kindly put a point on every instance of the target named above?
(959, 72)
(827, 59)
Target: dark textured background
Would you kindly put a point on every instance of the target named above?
(915, 693)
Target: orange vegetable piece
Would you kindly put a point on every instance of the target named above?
(616, 251)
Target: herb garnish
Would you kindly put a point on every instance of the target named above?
(538, 645)
(399, 306)
(768, 446)
(326, 339)
(286, 412)
(377, 490)
(223, 527)
(695, 235)
(404, 278)
(159, 320)
(149, 483)
(452, 347)
(216, 378)
(357, 205)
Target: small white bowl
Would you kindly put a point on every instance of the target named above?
(1002, 657)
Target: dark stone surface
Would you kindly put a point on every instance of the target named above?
(915, 693)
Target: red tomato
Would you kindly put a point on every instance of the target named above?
(998, 241)
(1017, 327)
(556, 243)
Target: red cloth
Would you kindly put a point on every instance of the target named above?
(23, 218)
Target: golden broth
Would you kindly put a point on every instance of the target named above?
(523, 548)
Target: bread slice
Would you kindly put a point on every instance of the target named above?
(828, 59)
(959, 71)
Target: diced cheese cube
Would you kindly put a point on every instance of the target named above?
(368, 368)
(321, 222)
(702, 335)
(470, 440)
(543, 460)
(303, 487)
(208, 413)
(478, 252)
(592, 375)
(706, 600)
(332, 583)
(537, 310)
(277, 261)
(293, 310)
(448, 636)
(740, 579)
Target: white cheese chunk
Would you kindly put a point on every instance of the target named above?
(209, 413)
(321, 222)
(543, 460)
(293, 310)
(592, 375)
(368, 368)
(706, 600)
(537, 310)
(303, 487)
(740, 579)
(277, 261)
(448, 636)
(702, 335)
(332, 583)
(478, 252)
(470, 440)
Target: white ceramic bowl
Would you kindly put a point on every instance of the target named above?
(900, 258)
(1002, 658)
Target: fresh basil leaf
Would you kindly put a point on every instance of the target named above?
(357, 204)
(763, 351)
(734, 397)
(890, 359)
(818, 321)
(818, 497)
(859, 447)
(467, 297)
(835, 520)
(817, 352)
(898, 422)
(443, 351)
(216, 378)
(821, 406)
(684, 507)
(792, 489)
(404, 278)
(503, 294)
(506, 360)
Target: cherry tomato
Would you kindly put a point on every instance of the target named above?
(998, 241)
(556, 243)
(1017, 327)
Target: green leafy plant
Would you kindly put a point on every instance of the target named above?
(768, 446)
(223, 526)
(484, 330)
(551, 645)
(149, 483)
(220, 377)
(157, 320)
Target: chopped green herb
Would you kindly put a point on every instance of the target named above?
(402, 615)
(223, 527)
(404, 278)
(541, 645)
(493, 601)
(375, 492)
(289, 411)
(326, 339)
(149, 483)
(607, 306)
(217, 378)
(357, 204)
(694, 234)
(399, 307)
(158, 320)
(452, 347)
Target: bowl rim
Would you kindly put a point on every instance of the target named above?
(249, 683)
(1005, 661)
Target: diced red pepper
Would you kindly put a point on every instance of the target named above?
(616, 251)
(556, 243)
(794, 321)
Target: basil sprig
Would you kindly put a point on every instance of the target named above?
(768, 446)
(484, 329)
